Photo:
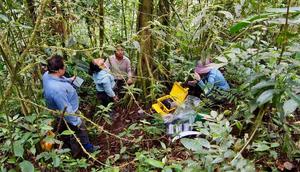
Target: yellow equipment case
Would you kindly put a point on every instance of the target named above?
(167, 104)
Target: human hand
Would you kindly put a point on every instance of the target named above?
(197, 76)
(73, 78)
(192, 83)
(116, 98)
(129, 81)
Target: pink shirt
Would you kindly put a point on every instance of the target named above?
(119, 68)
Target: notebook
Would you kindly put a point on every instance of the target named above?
(78, 81)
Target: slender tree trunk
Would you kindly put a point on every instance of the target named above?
(145, 57)
(30, 4)
(124, 19)
(101, 23)
(164, 16)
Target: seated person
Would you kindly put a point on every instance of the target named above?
(104, 81)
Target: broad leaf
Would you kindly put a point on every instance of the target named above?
(155, 163)
(67, 132)
(4, 18)
(26, 166)
(46, 127)
(195, 144)
(191, 144)
(261, 147)
(283, 10)
(262, 84)
(289, 106)
(217, 160)
(237, 27)
(56, 161)
(265, 97)
(227, 14)
(18, 149)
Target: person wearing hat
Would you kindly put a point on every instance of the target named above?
(209, 78)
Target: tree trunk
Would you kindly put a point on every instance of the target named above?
(164, 18)
(124, 19)
(101, 23)
(145, 61)
(30, 4)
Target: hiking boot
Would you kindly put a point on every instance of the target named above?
(94, 149)
(91, 148)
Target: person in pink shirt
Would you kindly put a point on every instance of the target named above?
(120, 67)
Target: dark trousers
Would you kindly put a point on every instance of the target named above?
(119, 87)
(70, 141)
(103, 98)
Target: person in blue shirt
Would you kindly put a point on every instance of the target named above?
(209, 78)
(60, 94)
(105, 82)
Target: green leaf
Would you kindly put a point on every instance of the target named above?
(18, 149)
(30, 118)
(67, 132)
(205, 143)
(46, 127)
(274, 145)
(237, 27)
(33, 150)
(56, 161)
(163, 145)
(283, 10)
(227, 14)
(262, 84)
(191, 144)
(290, 106)
(4, 18)
(217, 160)
(265, 97)
(195, 144)
(26, 166)
(239, 125)
(155, 163)
(123, 149)
(261, 147)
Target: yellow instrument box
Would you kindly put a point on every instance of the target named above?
(167, 104)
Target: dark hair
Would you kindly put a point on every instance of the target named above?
(118, 46)
(94, 68)
(55, 63)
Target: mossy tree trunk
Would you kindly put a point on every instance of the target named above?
(101, 23)
(145, 60)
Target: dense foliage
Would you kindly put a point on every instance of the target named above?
(258, 42)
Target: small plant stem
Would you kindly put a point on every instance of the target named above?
(285, 30)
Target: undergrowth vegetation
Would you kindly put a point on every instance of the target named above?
(257, 43)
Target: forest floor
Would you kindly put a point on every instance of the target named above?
(111, 146)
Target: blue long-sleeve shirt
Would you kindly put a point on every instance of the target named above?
(104, 82)
(214, 78)
(59, 93)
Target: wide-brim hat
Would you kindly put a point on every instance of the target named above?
(203, 69)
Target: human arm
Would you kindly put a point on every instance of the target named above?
(129, 72)
(107, 63)
(71, 79)
(206, 87)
